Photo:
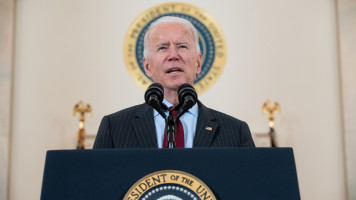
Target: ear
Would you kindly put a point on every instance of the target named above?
(147, 66)
(198, 64)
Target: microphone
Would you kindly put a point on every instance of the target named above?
(154, 98)
(187, 98)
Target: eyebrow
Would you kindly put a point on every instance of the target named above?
(167, 43)
(162, 44)
(178, 43)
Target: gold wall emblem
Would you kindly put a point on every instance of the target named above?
(211, 40)
(169, 184)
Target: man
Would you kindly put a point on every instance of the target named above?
(171, 57)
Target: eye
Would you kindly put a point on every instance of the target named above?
(182, 46)
(162, 48)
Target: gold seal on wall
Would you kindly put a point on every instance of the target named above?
(169, 184)
(211, 40)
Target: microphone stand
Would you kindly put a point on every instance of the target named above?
(171, 127)
(170, 131)
(171, 124)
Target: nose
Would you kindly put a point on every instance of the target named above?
(173, 53)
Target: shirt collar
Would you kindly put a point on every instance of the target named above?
(193, 110)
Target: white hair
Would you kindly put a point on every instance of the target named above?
(171, 19)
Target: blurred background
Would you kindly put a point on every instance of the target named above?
(301, 53)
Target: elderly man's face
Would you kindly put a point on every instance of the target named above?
(172, 58)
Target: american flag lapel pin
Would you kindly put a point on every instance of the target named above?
(208, 128)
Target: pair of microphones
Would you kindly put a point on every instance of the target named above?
(186, 95)
(187, 98)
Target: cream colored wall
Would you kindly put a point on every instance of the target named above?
(347, 42)
(7, 9)
(66, 51)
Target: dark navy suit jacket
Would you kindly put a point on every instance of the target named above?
(134, 127)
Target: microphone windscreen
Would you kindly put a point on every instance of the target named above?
(154, 89)
(186, 91)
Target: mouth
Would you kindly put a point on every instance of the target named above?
(174, 71)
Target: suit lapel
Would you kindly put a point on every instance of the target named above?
(144, 127)
(206, 127)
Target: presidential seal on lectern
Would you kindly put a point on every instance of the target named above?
(169, 185)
